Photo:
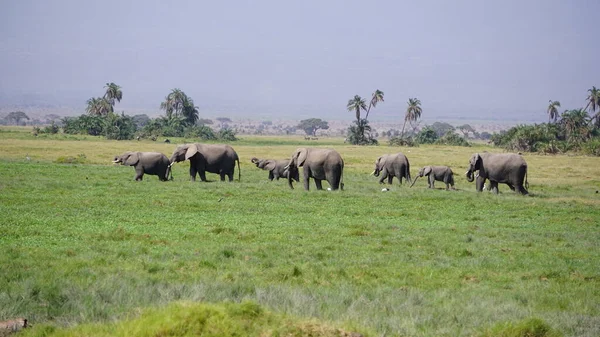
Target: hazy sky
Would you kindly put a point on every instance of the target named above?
(305, 58)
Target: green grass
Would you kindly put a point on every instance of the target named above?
(85, 244)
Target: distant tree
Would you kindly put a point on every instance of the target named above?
(575, 123)
(426, 136)
(140, 120)
(376, 97)
(223, 121)
(441, 128)
(98, 106)
(593, 103)
(357, 104)
(413, 112)
(466, 129)
(118, 127)
(552, 110)
(52, 118)
(17, 117)
(485, 135)
(204, 121)
(181, 105)
(311, 125)
(113, 93)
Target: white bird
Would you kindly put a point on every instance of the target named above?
(27, 157)
(385, 189)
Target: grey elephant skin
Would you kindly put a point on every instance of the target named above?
(506, 168)
(213, 158)
(392, 165)
(436, 173)
(319, 164)
(277, 168)
(153, 163)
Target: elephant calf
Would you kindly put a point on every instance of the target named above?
(153, 163)
(277, 168)
(439, 173)
(392, 165)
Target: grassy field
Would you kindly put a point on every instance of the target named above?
(83, 243)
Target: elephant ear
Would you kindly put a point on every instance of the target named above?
(427, 170)
(191, 151)
(132, 158)
(301, 155)
(381, 161)
(270, 165)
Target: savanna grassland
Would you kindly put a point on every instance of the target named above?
(81, 243)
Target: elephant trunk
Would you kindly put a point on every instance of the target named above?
(414, 181)
(469, 175)
(290, 170)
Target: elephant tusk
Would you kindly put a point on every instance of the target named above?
(373, 173)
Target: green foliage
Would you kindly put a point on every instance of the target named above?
(311, 125)
(199, 319)
(80, 159)
(119, 127)
(360, 133)
(227, 134)
(92, 125)
(178, 104)
(403, 141)
(591, 147)
(453, 139)
(51, 129)
(141, 120)
(532, 327)
(200, 131)
(427, 135)
(442, 128)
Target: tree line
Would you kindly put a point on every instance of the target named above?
(181, 119)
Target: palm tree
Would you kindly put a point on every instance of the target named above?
(179, 104)
(98, 106)
(575, 123)
(593, 100)
(376, 98)
(553, 111)
(413, 112)
(356, 104)
(113, 93)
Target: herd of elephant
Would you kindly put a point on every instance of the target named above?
(327, 164)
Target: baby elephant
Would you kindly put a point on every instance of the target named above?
(153, 163)
(276, 168)
(439, 173)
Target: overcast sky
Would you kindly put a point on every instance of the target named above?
(479, 58)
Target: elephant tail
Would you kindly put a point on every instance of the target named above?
(407, 174)
(342, 180)
(239, 170)
(526, 182)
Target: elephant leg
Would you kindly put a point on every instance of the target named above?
(139, 174)
(512, 188)
(306, 179)
(479, 183)
(193, 172)
(391, 177)
(431, 181)
(271, 176)
(494, 186)
(230, 175)
(202, 175)
(521, 190)
(318, 183)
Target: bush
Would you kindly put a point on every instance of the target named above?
(591, 147)
(119, 127)
(360, 133)
(399, 141)
(80, 159)
(227, 134)
(427, 135)
(451, 138)
(200, 131)
(50, 129)
(531, 327)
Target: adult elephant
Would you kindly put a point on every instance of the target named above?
(319, 164)
(507, 168)
(439, 173)
(392, 165)
(277, 168)
(217, 158)
(153, 163)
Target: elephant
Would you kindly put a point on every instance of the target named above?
(319, 164)
(276, 168)
(153, 163)
(507, 168)
(439, 173)
(392, 165)
(217, 158)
